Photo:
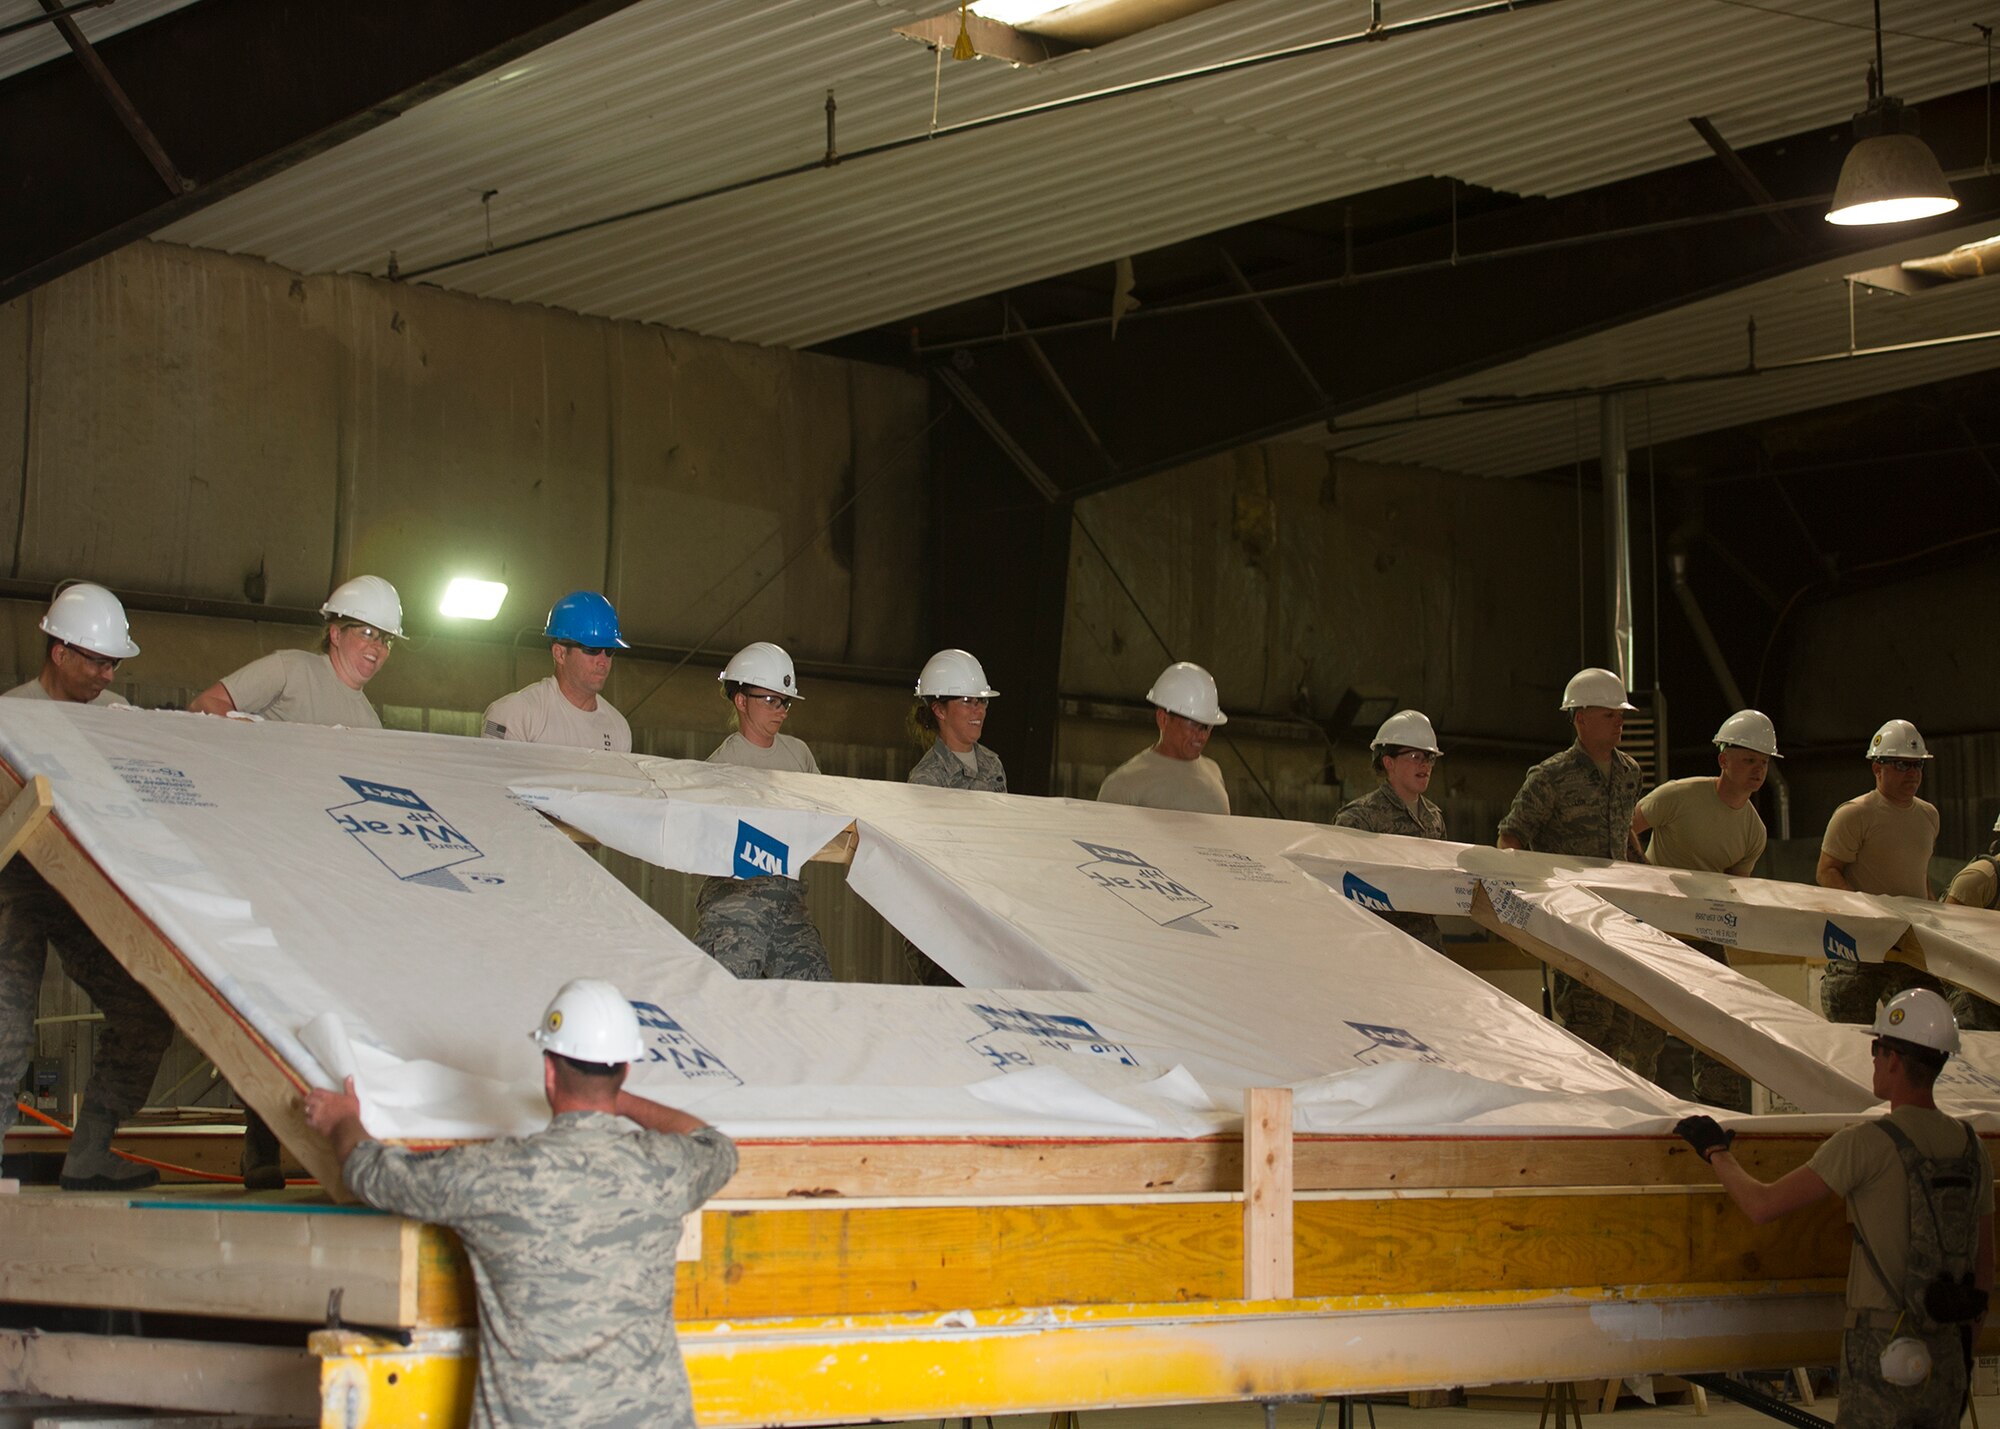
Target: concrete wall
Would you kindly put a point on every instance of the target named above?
(183, 422)
(1294, 576)
(1921, 650)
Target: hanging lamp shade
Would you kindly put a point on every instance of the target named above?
(1891, 175)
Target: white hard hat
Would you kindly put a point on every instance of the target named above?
(764, 665)
(1898, 739)
(1594, 689)
(90, 618)
(1406, 729)
(1752, 730)
(1905, 1361)
(1918, 1016)
(370, 600)
(591, 1021)
(1187, 690)
(953, 672)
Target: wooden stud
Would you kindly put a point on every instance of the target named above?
(1267, 1193)
(23, 815)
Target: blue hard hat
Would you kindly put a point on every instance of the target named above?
(584, 617)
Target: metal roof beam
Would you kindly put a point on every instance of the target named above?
(234, 90)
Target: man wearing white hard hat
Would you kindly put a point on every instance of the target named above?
(1580, 802)
(571, 1231)
(757, 926)
(1173, 773)
(363, 616)
(1919, 1191)
(1880, 842)
(311, 687)
(949, 716)
(87, 639)
(1403, 753)
(1709, 823)
(1977, 885)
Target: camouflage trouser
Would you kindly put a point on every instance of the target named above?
(921, 970)
(1867, 1401)
(1631, 1041)
(1850, 992)
(1974, 1013)
(135, 1032)
(1717, 1083)
(759, 928)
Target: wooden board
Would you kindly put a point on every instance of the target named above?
(277, 1258)
(186, 1375)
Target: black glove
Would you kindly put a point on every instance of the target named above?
(1704, 1135)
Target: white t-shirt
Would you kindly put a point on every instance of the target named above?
(542, 714)
(33, 691)
(299, 687)
(1151, 780)
(784, 753)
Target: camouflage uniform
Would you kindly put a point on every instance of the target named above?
(1850, 992)
(1717, 1083)
(941, 769)
(1867, 1401)
(1566, 807)
(1381, 812)
(759, 928)
(135, 1032)
(571, 1233)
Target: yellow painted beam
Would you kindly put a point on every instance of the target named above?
(847, 1368)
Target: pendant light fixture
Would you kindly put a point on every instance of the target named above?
(1890, 175)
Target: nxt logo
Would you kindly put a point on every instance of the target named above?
(758, 855)
(1366, 894)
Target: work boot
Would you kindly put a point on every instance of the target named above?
(260, 1165)
(91, 1164)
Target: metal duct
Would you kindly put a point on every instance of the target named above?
(1614, 466)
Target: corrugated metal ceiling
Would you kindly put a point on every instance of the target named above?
(675, 97)
(1802, 315)
(27, 48)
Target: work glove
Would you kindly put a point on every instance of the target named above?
(1704, 1135)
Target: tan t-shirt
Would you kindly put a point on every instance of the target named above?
(298, 687)
(784, 753)
(542, 714)
(33, 691)
(1861, 1166)
(1973, 884)
(1151, 780)
(1885, 849)
(1693, 828)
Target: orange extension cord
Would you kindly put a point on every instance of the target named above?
(47, 1120)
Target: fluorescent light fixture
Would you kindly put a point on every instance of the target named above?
(1015, 12)
(469, 599)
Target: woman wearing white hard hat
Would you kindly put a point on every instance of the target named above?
(1918, 1184)
(1403, 753)
(758, 927)
(949, 716)
(324, 687)
(363, 616)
